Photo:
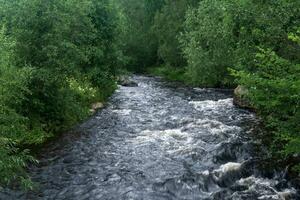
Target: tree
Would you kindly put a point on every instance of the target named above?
(208, 43)
(168, 25)
(55, 60)
(140, 43)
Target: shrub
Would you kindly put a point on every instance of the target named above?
(55, 60)
(274, 92)
(14, 127)
(169, 73)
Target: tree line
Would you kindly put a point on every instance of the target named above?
(57, 57)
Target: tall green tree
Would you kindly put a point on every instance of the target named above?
(140, 43)
(56, 58)
(208, 44)
(168, 25)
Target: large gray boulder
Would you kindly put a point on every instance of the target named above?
(96, 106)
(240, 97)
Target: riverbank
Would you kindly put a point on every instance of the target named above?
(22, 141)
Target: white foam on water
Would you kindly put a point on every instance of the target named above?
(261, 184)
(172, 141)
(266, 187)
(123, 111)
(228, 167)
(165, 136)
(213, 126)
(286, 194)
(200, 89)
(225, 169)
(269, 197)
(205, 173)
(210, 105)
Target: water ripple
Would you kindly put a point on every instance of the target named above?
(158, 142)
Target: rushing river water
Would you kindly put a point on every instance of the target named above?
(155, 142)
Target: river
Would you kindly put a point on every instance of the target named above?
(161, 142)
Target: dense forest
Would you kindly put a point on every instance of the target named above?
(57, 57)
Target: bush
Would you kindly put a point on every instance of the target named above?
(14, 127)
(167, 26)
(169, 73)
(208, 44)
(55, 60)
(274, 92)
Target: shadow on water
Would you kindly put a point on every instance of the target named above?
(159, 142)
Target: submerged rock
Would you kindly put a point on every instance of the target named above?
(240, 98)
(227, 174)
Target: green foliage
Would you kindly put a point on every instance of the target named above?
(221, 34)
(56, 59)
(258, 40)
(12, 164)
(151, 31)
(268, 64)
(169, 73)
(274, 92)
(139, 41)
(14, 127)
(168, 24)
(208, 43)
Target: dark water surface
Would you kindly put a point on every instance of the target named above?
(158, 142)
